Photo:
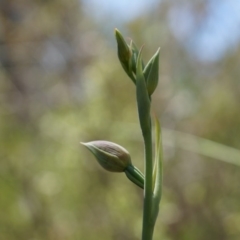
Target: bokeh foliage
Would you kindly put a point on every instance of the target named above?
(61, 83)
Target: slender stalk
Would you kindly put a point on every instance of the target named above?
(148, 224)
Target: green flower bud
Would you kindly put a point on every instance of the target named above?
(114, 158)
(151, 73)
(110, 156)
(124, 54)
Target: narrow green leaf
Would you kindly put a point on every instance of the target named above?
(143, 100)
(157, 145)
(157, 191)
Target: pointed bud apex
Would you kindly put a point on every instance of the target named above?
(110, 156)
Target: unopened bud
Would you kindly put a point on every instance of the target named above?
(110, 156)
(151, 73)
(124, 54)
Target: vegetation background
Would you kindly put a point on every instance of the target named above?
(61, 83)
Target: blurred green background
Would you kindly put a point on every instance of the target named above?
(61, 83)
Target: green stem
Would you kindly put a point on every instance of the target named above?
(148, 224)
(135, 175)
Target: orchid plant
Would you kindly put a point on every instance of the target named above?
(115, 158)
